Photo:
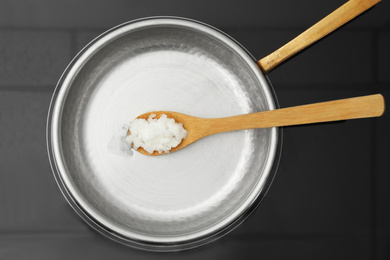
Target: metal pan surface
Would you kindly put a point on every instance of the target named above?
(176, 201)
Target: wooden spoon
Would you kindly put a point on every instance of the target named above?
(343, 109)
(337, 18)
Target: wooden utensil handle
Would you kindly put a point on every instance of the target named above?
(337, 18)
(343, 109)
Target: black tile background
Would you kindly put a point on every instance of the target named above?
(330, 198)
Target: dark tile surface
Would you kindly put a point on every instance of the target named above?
(29, 196)
(330, 198)
(94, 247)
(32, 58)
(384, 56)
(105, 14)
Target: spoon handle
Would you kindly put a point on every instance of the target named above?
(337, 18)
(343, 109)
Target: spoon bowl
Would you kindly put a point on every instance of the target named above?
(343, 109)
(190, 123)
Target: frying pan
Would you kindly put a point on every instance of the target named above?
(184, 199)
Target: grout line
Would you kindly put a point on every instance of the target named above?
(374, 149)
(50, 29)
(262, 236)
(37, 233)
(33, 29)
(323, 86)
(240, 237)
(247, 28)
(37, 89)
(373, 189)
(294, 29)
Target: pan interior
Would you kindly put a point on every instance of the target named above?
(166, 65)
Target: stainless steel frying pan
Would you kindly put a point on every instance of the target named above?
(171, 202)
